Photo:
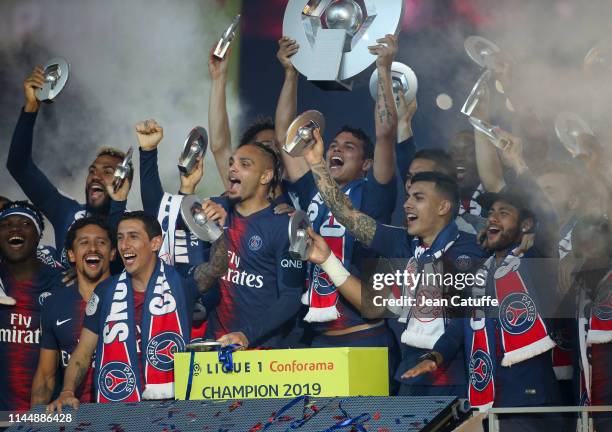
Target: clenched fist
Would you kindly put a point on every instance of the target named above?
(149, 134)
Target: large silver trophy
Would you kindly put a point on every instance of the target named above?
(491, 131)
(334, 36)
(226, 38)
(569, 126)
(300, 132)
(196, 221)
(483, 52)
(56, 73)
(123, 171)
(404, 82)
(299, 241)
(195, 146)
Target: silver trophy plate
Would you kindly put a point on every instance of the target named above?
(195, 220)
(300, 132)
(334, 36)
(195, 145)
(404, 80)
(56, 73)
(208, 345)
(123, 170)
(482, 51)
(299, 241)
(226, 38)
(480, 89)
(569, 126)
(491, 131)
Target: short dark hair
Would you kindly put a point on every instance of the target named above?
(442, 159)
(446, 185)
(368, 145)
(260, 123)
(82, 223)
(152, 226)
(119, 154)
(29, 206)
(4, 200)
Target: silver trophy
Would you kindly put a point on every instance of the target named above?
(300, 132)
(194, 147)
(569, 127)
(299, 241)
(56, 73)
(196, 221)
(334, 36)
(482, 51)
(227, 38)
(403, 79)
(123, 171)
(491, 131)
(480, 89)
(204, 346)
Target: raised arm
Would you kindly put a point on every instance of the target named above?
(286, 108)
(20, 164)
(80, 360)
(360, 225)
(487, 160)
(218, 121)
(149, 135)
(385, 113)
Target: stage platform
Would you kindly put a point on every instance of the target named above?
(308, 414)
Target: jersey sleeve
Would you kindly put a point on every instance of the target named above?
(47, 337)
(151, 189)
(30, 178)
(304, 188)
(290, 275)
(379, 199)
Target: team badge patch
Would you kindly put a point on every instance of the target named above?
(517, 313)
(116, 381)
(92, 305)
(322, 285)
(161, 350)
(481, 370)
(463, 262)
(42, 297)
(255, 243)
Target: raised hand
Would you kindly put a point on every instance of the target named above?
(33, 82)
(218, 67)
(122, 193)
(190, 182)
(287, 47)
(314, 153)
(149, 134)
(385, 50)
(512, 151)
(234, 338)
(214, 212)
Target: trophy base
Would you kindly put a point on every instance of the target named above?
(334, 85)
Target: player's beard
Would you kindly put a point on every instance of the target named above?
(507, 239)
(102, 209)
(95, 277)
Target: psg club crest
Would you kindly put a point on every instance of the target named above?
(92, 305)
(517, 313)
(116, 381)
(481, 370)
(321, 283)
(255, 243)
(463, 262)
(161, 350)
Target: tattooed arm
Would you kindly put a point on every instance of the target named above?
(385, 114)
(360, 225)
(79, 364)
(207, 273)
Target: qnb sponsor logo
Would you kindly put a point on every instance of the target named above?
(21, 331)
(289, 263)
